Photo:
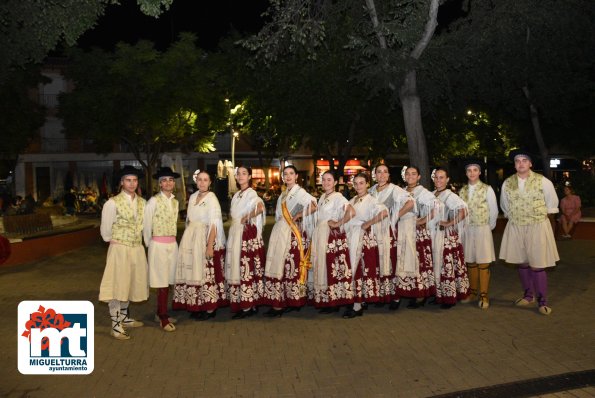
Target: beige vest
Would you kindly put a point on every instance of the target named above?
(165, 219)
(478, 204)
(127, 229)
(526, 207)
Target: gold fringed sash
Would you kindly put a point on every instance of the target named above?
(305, 263)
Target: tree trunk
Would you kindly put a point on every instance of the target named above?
(410, 102)
(267, 178)
(416, 139)
(538, 135)
(149, 178)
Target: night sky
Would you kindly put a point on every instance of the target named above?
(210, 20)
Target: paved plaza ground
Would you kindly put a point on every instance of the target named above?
(407, 353)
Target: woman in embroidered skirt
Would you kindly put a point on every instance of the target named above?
(288, 255)
(200, 286)
(415, 273)
(330, 252)
(394, 244)
(363, 232)
(244, 263)
(450, 271)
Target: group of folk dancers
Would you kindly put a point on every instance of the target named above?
(384, 246)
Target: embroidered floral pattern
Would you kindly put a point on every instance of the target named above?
(208, 296)
(454, 282)
(287, 292)
(249, 292)
(423, 283)
(339, 282)
(367, 274)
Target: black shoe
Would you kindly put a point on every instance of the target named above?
(272, 313)
(431, 301)
(446, 306)
(394, 305)
(351, 313)
(328, 310)
(243, 314)
(206, 315)
(291, 309)
(414, 304)
(196, 314)
(364, 306)
(378, 305)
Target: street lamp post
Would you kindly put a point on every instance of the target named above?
(234, 136)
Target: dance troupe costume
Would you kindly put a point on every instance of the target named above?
(415, 273)
(450, 271)
(363, 250)
(478, 242)
(528, 238)
(125, 275)
(200, 284)
(245, 260)
(287, 261)
(330, 255)
(160, 230)
(396, 243)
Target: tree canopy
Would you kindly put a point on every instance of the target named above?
(383, 45)
(145, 100)
(29, 30)
(530, 63)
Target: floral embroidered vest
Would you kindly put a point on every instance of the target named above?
(165, 219)
(526, 207)
(128, 229)
(478, 204)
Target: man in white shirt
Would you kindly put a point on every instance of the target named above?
(125, 275)
(527, 199)
(478, 240)
(160, 230)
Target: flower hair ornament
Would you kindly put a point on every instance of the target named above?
(235, 171)
(195, 175)
(433, 175)
(403, 170)
(374, 174)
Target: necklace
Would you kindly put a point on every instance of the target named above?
(381, 186)
(361, 197)
(200, 195)
(242, 192)
(438, 192)
(327, 196)
(410, 188)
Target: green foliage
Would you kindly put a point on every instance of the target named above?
(545, 46)
(31, 29)
(147, 100)
(309, 84)
(470, 134)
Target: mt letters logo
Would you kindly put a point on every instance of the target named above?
(56, 337)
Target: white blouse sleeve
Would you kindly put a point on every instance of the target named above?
(551, 198)
(504, 199)
(108, 217)
(493, 206)
(148, 220)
